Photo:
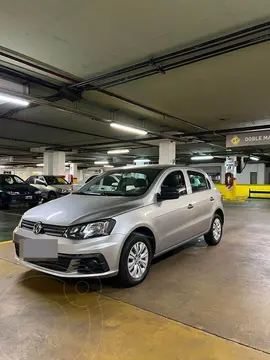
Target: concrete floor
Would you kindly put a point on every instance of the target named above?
(197, 303)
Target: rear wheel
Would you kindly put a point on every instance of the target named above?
(214, 236)
(135, 260)
(51, 196)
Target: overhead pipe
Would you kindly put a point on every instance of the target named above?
(183, 62)
(226, 131)
(258, 33)
(148, 108)
(83, 113)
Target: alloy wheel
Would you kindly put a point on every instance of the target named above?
(138, 259)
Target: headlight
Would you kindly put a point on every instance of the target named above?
(13, 193)
(91, 230)
(64, 191)
(20, 222)
(37, 192)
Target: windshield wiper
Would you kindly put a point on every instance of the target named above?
(85, 193)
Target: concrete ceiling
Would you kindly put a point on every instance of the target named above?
(86, 38)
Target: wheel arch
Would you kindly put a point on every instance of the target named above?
(220, 212)
(143, 230)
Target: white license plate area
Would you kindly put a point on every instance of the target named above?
(29, 197)
(38, 250)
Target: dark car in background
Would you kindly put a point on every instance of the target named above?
(14, 190)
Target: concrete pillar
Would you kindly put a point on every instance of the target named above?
(167, 149)
(54, 163)
(74, 170)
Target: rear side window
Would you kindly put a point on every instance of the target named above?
(198, 181)
(31, 180)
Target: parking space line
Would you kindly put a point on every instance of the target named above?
(5, 242)
(14, 214)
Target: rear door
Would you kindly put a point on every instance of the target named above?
(202, 202)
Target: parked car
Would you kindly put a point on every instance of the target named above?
(13, 190)
(96, 232)
(51, 186)
(106, 182)
(82, 182)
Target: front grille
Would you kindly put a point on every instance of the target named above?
(61, 264)
(84, 264)
(17, 249)
(52, 230)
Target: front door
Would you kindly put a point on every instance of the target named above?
(40, 183)
(172, 217)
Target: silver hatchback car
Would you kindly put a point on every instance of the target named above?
(51, 186)
(118, 231)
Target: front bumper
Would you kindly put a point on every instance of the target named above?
(21, 199)
(98, 257)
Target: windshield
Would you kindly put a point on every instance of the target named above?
(121, 183)
(55, 180)
(11, 180)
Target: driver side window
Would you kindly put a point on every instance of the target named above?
(175, 180)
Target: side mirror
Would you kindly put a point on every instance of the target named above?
(115, 184)
(168, 194)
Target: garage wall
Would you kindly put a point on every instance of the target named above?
(267, 175)
(244, 177)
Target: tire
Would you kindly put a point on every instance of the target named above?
(51, 196)
(214, 236)
(129, 275)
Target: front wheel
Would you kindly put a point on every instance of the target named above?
(135, 260)
(52, 196)
(214, 236)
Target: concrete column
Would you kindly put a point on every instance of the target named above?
(167, 149)
(74, 170)
(54, 163)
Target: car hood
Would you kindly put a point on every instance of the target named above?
(20, 188)
(75, 209)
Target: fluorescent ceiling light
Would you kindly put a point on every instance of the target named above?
(202, 157)
(108, 166)
(104, 162)
(2, 166)
(128, 129)
(41, 164)
(254, 158)
(13, 100)
(119, 151)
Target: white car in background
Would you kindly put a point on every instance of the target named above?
(106, 183)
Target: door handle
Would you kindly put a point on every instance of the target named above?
(190, 206)
(212, 199)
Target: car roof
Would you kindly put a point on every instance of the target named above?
(157, 166)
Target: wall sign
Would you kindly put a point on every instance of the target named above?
(248, 139)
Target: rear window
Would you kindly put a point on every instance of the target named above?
(55, 180)
(198, 181)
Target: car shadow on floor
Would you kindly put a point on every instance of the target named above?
(48, 284)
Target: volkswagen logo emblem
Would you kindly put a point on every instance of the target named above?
(38, 227)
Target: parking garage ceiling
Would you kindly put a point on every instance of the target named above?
(119, 57)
